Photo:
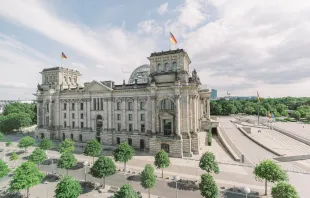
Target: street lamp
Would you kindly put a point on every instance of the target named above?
(176, 178)
(246, 190)
(85, 167)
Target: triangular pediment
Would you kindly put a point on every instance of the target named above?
(96, 86)
(164, 113)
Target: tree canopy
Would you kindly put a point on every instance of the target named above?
(4, 169)
(93, 148)
(37, 156)
(45, 144)
(148, 178)
(13, 157)
(66, 146)
(270, 172)
(162, 161)
(123, 153)
(26, 176)
(66, 161)
(284, 190)
(126, 191)
(25, 142)
(68, 187)
(208, 187)
(208, 163)
(103, 167)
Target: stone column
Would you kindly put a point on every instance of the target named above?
(193, 113)
(109, 113)
(112, 110)
(208, 108)
(191, 118)
(153, 98)
(177, 120)
(146, 110)
(88, 106)
(50, 112)
(38, 113)
(124, 113)
(97, 99)
(106, 113)
(57, 111)
(135, 114)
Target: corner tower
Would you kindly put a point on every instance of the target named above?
(169, 66)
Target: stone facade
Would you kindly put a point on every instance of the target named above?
(166, 112)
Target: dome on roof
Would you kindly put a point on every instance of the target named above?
(141, 73)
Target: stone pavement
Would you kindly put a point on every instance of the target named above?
(297, 128)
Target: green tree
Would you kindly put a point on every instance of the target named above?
(14, 157)
(162, 161)
(308, 117)
(4, 169)
(66, 161)
(25, 142)
(37, 156)
(68, 187)
(8, 143)
(123, 153)
(284, 190)
(296, 115)
(1, 136)
(93, 148)
(208, 163)
(45, 144)
(66, 146)
(103, 167)
(26, 176)
(270, 172)
(208, 187)
(126, 191)
(148, 178)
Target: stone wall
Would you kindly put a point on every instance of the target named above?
(175, 146)
(194, 143)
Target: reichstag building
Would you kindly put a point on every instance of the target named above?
(161, 107)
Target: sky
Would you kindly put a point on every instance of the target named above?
(239, 46)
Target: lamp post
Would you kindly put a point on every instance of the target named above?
(176, 178)
(85, 168)
(246, 190)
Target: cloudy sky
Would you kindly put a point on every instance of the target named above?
(239, 46)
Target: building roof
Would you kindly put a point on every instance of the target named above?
(167, 52)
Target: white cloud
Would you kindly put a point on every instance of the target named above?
(150, 27)
(163, 8)
(79, 65)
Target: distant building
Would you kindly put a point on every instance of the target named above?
(213, 94)
(239, 97)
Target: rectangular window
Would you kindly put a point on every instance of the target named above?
(129, 106)
(130, 117)
(65, 115)
(118, 106)
(65, 106)
(80, 138)
(101, 103)
(73, 116)
(82, 116)
(82, 125)
(119, 126)
(118, 116)
(142, 117)
(65, 124)
(130, 127)
(142, 128)
(94, 103)
(82, 106)
(141, 105)
(47, 107)
(73, 106)
(73, 124)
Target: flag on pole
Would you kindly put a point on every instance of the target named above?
(63, 56)
(172, 39)
(258, 98)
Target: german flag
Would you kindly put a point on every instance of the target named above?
(63, 56)
(258, 98)
(172, 39)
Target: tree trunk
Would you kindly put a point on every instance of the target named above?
(266, 187)
(103, 182)
(125, 167)
(149, 190)
(67, 171)
(27, 193)
(93, 159)
(162, 173)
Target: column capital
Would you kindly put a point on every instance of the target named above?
(176, 97)
(153, 97)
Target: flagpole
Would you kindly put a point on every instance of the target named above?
(258, 113)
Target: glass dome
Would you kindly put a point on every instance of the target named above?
(140, 73)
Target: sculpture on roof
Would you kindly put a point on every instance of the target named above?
(195, 77)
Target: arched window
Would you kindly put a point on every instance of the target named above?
(118, 140)
(167, 104)
(158, 67)
(99, 123)
(174, 64)
(165, 147)
(166, 67)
